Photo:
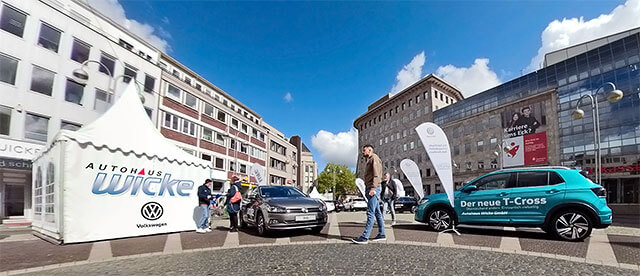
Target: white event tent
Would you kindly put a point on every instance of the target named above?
(116, 177)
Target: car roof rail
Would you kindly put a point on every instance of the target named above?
(536, 168)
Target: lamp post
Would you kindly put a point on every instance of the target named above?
(501, 150)
(333, 187)
(81, 76)
(613, 96)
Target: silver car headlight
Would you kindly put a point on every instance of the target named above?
(423, 201)
(323, 207)
(276, 209)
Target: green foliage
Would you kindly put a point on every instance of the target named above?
(337, 178)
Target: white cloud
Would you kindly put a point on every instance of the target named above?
(409, 74)
(165, 20)
(472, 80)
(341, 148)
(288, 97)
(562, 34)
(114, 10)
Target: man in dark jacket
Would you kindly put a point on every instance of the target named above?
(233, 208)
(389, 196)
(204, 199)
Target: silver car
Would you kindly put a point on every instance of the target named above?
(271, 208)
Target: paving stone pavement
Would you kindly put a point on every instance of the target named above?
(342, 259)
(621, 248)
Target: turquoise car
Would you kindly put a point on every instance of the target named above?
(559, 200)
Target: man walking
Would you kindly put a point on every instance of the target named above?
(233, 203)
(204, 199)
(389, 196)
(372, 178)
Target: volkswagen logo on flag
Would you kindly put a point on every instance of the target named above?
(430, 131)
(152, 211)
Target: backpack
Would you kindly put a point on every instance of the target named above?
(237, 197)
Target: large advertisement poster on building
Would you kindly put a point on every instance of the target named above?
(525, 136)
(520, 120)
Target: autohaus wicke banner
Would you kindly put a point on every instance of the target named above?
(437, 146)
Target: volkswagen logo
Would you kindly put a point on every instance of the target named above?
(430, 131)
(152, 211)
(304, 210)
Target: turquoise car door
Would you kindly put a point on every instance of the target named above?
(484, 204)
(534, 194)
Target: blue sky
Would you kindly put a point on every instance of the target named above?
(335, 58)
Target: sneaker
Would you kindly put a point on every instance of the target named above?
(207, 230)
(393, 223)
(199, 230)
(379, 238)
(233, 230)
(360, 240)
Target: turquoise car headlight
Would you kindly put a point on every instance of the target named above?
(423, 201)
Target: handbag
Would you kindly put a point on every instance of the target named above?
(236, 197)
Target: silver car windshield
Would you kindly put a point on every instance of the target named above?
(280, 192)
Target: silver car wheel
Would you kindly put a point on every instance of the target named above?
(260, 224)
(439, 220)
(572, 226)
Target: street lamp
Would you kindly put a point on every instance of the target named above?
(80, 75)
(613, 96)
(333, 187)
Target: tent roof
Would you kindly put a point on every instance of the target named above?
(126, 127)
(315, 194)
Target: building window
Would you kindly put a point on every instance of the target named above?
(480, 146)
(404, 147)
(173, 92)
(412, 145)
(5, 120)
(493, 141)
(234, 123)
(456, 150)
(8, 69)
(109, 62)
(243, 168)
(222, 116)
(187, 80)
(198, 86)
(80, 51)
(219, 163)
(219, 139)
(73, 92)
(403, 106)
(188, 127)
(205, 157)
(207, 134)
(494, 164)
(49, 37)
(467, 148)
(404, 133)
(129, 74)
(262, 137)
(410, 101)
(149, 112)
(191, 101)
(69, 126)
(480, 165)
(418, 99)
(175, 73)
(125, 44)
(12, 20)
(103, 101)
(36, 127)
(245, 129)
(232, 166)
(468, 166)
(42, 81)
(208, 110)
(171, 121)
(149, 83)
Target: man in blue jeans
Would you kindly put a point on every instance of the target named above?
(372, 179)
(204, 199)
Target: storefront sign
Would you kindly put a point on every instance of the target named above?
(525, 150)
(9, 163)
(19, 149)
(617, 169)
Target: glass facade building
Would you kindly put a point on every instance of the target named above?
(617, 62)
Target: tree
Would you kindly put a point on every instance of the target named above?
(338, 179)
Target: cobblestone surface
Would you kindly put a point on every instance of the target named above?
(341, 259)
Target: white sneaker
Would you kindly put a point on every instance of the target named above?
(207, 230)
(393, 223)
(200, 230)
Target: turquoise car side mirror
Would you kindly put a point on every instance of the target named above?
(469, 188)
